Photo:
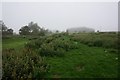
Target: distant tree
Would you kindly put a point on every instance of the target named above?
(25, 30)
(0, 27)
(57, 31)
(34, 28)
(42, 32)
(47, 32)
(67, 31)
(5, 30)
(98, 31)
(10, 31)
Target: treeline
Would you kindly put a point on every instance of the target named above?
(5, 30)
(33, 29)
(30, 29)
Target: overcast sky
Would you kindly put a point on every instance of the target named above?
(61, 15)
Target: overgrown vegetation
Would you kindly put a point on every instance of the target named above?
(26, 64)
(106, 40)
(55, 45)
(60, 56)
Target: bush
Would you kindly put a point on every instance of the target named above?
(98, 43)
(65, 44)
(106, 40)
(30, 45)
(52, 46)
(90, 44)
(46, 50)
(59, 52)
(27, 65)
(49, 50)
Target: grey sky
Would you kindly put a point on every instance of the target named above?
(61, 15)
(0, 10)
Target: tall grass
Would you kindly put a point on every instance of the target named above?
(55, 45)
(26, 64)
(30, 61)
(99, 39)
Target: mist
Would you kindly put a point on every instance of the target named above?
(101, 16)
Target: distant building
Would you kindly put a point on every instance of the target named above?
(80, 30)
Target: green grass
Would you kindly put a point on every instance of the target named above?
(84, 62)
(14, 42)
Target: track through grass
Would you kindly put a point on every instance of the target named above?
(84, 62)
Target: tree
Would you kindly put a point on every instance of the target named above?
(42, 32)
(25, 30)
(3, 26)
(57, 31)
(10, 31)
(34, 28)
(0, 27)
(98, 31)
(5, 30)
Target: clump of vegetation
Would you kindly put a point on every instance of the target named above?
(99, 40)
(55, 45)
(49, 50)
(23, 65)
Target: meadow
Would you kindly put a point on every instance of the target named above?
(61, 55)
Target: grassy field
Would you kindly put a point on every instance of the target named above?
(82, 62)
(14, 42)
(85, 62)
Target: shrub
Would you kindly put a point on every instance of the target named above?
(49, 39)
(46, 50)
(98, 43)
(30, 45)
(90, 44)
(106, 40)
(27, 65)
(50, 50)
(52, 46)
(59, 52)
(65, 44)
